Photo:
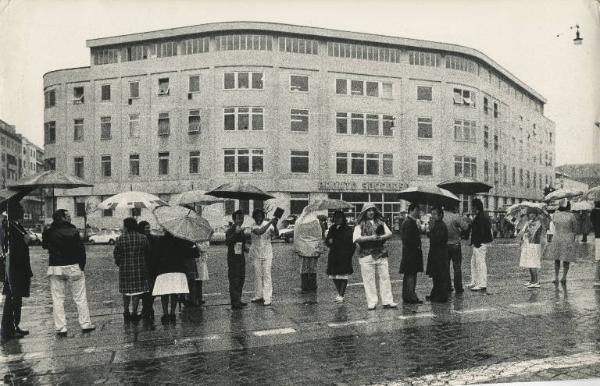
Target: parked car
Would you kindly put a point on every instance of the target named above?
(218, 236)
(287, 234)
(105, 236)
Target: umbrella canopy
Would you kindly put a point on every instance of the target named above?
(562, 193)
(464, 185)
(183, 223)
(328, 204)
(239, 191)
(582, 205)
(50, 179)
(592, 195)
(431, 195)
(7, 195)
(194, 197)
(308, 234)
(516, 209)
(131, 200)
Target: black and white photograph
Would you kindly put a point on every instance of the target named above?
(263, 192)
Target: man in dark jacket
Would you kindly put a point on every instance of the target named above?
(236, 259)
(412, 255)
(18, 274)
(481, 236)
(66, 264)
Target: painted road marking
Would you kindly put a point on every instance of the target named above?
(415, 316)
(196, 339)
(525, 305)
(483, 374)
(361, 283)
(275, 331)
(473, 311)
(348, 323)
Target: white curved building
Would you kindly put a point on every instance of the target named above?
(301, 112)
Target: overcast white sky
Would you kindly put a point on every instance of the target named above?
(37, 36)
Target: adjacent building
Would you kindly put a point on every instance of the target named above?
(302, 112)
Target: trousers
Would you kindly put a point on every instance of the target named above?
(11, 313)
(409, 284)
(75, 278)
(236, 273)
(479, 267)
(370, 270)
(455, 257)
(263, 287)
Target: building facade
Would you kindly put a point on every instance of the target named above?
(10, 150)
(304, 113)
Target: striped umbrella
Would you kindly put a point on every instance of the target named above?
(131, 200)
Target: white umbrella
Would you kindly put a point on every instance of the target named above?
(562, 193)
(183, 223)
(131, 200)
(581, 205)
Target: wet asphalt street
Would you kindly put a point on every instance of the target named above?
(509, 334)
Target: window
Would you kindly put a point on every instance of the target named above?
(425, 165)
(163, 87)
(521, 177)
(164, 126)
(534, 179)
(49, 98)
(361, 124)
(134, 53)
(341, 163)
(464, 97)
(78, 130)
(504, 175)
(49, 132)
(297, 202)
(134, 165)
(299, 83)
(243, 160)
(195, 46)
(486, 170)
(105, 165)
(465, 131)
(78, 170)
(514, 176)
(341, 86)
(194, 162)
(424, 128)
(134, 125)
(166, 49)
(299, 161)
(194, 83)
(424, 93)
(105, 56)
(163, 164)
(496, 113)
(243, 118)
(244, 42)
(78, 95)
(363, 88)
(461, 64)
(430, 59)
(298, 45)
(194, 121)
(528, 180)
(465, 166)
(243, 80)
(486, 136)
(364, 163)
(496, 145)
(105, 92)
(372, 89)
(49, 163)
(388, 125)
(106, 212)
(496, 172)
(388, 164)
(364, 52)
(134, 89)
(105, 128)
(299, 120)
(79, 206)
(357, 87)
(485, 105)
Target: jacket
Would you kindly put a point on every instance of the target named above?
(481, 230)
(64, 245)
(595, 220)
(437, 260)
(18, 265)
(172, 253)
(412, 255)
(341, 250)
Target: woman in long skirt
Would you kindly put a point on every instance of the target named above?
(532, 238)
(438, 265)
(341, 250)
(562, 247)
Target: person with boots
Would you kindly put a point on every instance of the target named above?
(308, 237)
(66, 264)
(341, 250)
(18, 274)
(152, 269)
(235, 239)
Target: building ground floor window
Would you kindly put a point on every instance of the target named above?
(388, 203)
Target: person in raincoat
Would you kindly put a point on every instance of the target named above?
(438, 265)
(308, 237)
(341, 250)
(371, 233)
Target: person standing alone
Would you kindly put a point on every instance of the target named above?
(66, 265)
(236, 259)
(481, 236)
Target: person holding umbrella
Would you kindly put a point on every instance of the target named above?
(341, 250)
(371, 233)
(438, 266)
(261, 253)
(532, 237)
(412, 255)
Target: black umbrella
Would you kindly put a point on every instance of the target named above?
(239, 191)
(7, 195)
(465, 185)
(431, 195)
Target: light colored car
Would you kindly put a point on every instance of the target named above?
(105, 236)
(287, 234)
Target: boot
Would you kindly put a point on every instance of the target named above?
(304, 283)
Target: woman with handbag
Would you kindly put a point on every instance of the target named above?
(371, 233)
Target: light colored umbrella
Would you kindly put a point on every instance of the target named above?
(592, 195)
(562, 193)
(582, 206)
(328, 204)
(431, 195)
(131, 200)
(183, 223)
(465, 185)
(239, 191)
(50, 179)
(516, 209)
(191, 197)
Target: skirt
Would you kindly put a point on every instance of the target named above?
(531, 255)
(597, 249)
(170, 283)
